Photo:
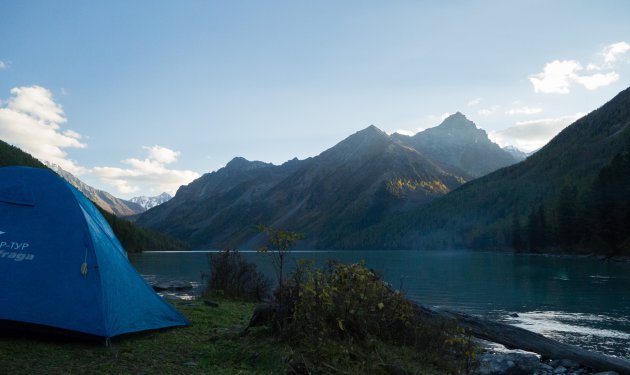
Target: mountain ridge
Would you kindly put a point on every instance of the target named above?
(361, 179)
(105, 200)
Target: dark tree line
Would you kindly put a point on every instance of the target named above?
(136, 239)
(596, 218)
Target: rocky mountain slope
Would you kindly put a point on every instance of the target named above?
(458, 143)
(103, 199)
(150, 202)
(360, 181)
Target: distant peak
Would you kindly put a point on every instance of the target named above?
(360, 143)
(457, 120)
(240, 163)
(373, 131)
(165, 195)
(369, 135)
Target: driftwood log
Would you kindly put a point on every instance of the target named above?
(519, 338)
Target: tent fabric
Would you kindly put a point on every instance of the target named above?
(48, 230)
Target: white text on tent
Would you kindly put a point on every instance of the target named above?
(14, 245)
(18, 257)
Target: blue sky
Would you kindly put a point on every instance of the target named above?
(137, 97)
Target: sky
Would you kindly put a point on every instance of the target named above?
(140, 97)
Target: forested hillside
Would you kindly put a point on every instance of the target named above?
(570, 196)
(592, 218)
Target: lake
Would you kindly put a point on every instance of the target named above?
(579, 301)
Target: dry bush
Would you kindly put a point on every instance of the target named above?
(234, 277)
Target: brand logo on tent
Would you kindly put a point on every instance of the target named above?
(14, 250)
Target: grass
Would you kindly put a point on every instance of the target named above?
(213, 344)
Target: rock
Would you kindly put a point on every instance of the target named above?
(546, 367)
(172, 285)
(568, 363)
(507, 363)
(606, 373)
(514, 315)
(560, 370)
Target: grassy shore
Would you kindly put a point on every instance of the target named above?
(213, 344)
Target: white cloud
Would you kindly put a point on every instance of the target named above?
(593, 67)
(556, 77)
(474, 102)
(151, 172)
(533, 134)
(409, 133)
(613, 51)
(559, 76)
(162, 154)
(597, 80)
(526, 110)
(488, 111)
(31, 120)
(3, 64)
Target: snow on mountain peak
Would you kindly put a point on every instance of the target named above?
(150, 202)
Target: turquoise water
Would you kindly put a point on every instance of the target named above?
(577, 301)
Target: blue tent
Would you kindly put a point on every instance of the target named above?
(62, 266)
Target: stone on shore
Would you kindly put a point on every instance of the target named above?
(507, 363)
(173, 285)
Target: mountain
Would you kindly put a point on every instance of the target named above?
(458, 143)
(516, 153)
(356, 183)
(132, 237)
(571, 195)
(103, 199)
(150, 202)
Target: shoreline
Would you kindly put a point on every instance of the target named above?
(591, 256)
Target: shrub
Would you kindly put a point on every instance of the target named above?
(345, 301)
(352, 304)
(234, 277)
